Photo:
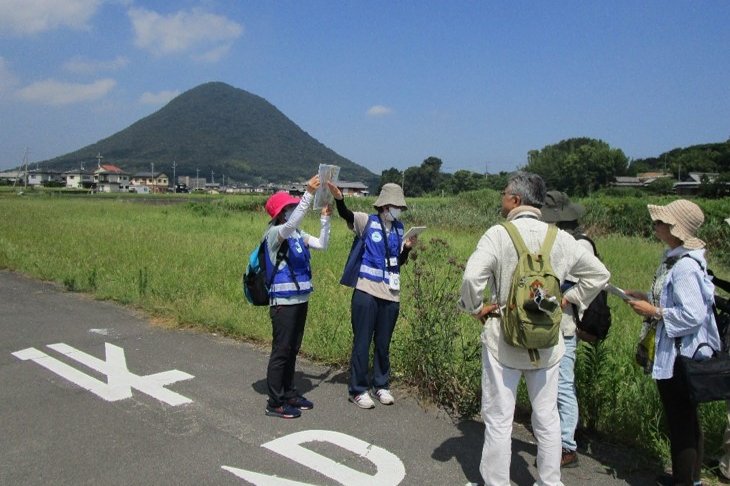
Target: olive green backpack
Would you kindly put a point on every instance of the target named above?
(531, 319)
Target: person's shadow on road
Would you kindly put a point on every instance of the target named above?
(305, 382)
(467, 450)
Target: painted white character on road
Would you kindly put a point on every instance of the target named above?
(120, 380)
(390, 468)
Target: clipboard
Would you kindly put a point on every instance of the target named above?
(413, 231)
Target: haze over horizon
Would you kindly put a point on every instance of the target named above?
(385, 85)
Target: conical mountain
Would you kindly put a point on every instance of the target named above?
(216, 127)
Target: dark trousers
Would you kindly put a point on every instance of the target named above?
(685, 434)
(373, 320)
(287, 323)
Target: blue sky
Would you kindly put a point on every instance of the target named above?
(385, 84)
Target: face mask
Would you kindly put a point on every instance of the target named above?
(287, 213)
(394, 214)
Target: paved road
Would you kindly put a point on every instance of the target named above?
(92, 393)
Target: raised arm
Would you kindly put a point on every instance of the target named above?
(342, 210)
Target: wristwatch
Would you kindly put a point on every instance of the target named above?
(658, 313)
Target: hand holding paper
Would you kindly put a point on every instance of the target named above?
(618, 292)
(412, 235)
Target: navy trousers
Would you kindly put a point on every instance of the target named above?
(373, 321)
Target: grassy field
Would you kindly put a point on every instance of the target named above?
(182, 263)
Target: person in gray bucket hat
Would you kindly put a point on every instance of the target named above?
(373, 269)
(559, 210)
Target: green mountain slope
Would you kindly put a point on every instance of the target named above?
(220, 128)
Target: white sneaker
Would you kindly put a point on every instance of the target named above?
(385, 396)
(363, 400)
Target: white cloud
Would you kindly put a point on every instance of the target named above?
(379, 110)
(52, 92)
(160, 98)
(27, 17)
(80, 65)
(213, 55)
(184, 31)
(8, 80)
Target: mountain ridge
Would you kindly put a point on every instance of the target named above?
(217, 127)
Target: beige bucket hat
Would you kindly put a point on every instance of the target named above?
(391, 194)
(684, 217)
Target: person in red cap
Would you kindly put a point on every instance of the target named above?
(289, 293)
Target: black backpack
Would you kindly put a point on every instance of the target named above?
(596, 319)
(259, 274)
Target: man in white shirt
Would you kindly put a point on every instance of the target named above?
(492, 265)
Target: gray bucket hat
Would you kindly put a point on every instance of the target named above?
(558, 208)
(391, 194)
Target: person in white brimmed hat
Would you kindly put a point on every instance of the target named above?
(678, 311)
(376, 297)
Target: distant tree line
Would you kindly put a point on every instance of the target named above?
(577, 166)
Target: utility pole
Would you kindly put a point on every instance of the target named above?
(197, 177)
(174, 181)
(25, 164)
(212, 181)
(152, 176)
(98, 160)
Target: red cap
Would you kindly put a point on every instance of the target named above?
(279, 201)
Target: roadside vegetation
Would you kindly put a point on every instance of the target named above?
(183, 262)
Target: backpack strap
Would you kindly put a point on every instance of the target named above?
(281, 256)
(593, 244)
(519, 243)
(547, 245)
(516, 238)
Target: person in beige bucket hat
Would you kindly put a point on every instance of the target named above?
(677, 317)
(373, 270)
(684, 219)
(391, 194)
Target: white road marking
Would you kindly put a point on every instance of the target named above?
(390, 469)
(120, 380)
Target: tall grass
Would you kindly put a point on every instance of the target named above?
(183, 262)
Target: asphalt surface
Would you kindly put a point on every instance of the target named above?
(95, 393)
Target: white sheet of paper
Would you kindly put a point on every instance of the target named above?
(323, 196)
(414, 231)
(618, 292)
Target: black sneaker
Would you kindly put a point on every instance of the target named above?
(569, 458)
(301, 403)
(284, 411)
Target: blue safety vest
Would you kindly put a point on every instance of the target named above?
(374, 265)
(295, 277)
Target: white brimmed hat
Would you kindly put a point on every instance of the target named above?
(391, 195)
(684, 218)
